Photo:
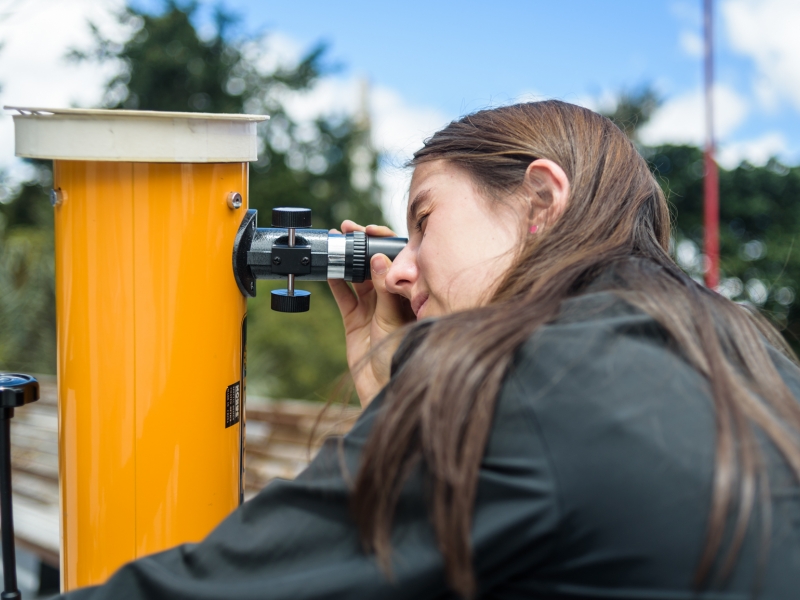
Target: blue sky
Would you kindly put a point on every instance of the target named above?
(456, 57)
(459, 55)
(430, 62)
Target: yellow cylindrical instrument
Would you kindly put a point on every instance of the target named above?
(151, 326)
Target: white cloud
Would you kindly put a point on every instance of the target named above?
(687, 11)
(756, 151)
(530, 96)
(276, 50)
(691, 43)
(767, 31)
(604, 102)
(398, 129)
(33, 72)
(681, 120)
(690, 16)
(328, 96)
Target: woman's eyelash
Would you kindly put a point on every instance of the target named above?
(420, 221)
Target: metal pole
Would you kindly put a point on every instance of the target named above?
(711, 179)
(290, 284)
(10, 591)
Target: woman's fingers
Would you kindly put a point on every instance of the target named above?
(354, 303)
(379, 231)
(349, 226)
(346, 300)
(370, 313)
(363, 288)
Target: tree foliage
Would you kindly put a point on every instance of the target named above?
(634, 108)
(27, 283)
(759, 219)
(326, 164)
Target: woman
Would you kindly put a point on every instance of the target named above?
(571, 416)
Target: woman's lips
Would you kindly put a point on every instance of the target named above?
(417, 304)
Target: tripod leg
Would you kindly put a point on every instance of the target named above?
(10, 591)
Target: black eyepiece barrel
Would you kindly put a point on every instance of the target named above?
(349, 255)
(390, 246)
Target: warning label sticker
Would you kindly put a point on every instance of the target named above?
(232, 397)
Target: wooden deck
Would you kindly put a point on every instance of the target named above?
(277, 446)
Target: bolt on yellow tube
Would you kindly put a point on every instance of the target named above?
(151, 326)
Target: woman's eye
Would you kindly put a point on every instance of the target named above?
(421, 222)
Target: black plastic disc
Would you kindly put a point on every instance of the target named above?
(17, 389)
(289, 216)
(283, 302)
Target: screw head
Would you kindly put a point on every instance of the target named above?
(234, 200)
(304, 261)
(276, 260)
(56, 197)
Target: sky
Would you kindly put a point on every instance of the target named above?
(430, 62)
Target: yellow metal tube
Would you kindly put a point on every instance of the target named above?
(150, 354)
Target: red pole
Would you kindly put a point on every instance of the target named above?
(711, 179)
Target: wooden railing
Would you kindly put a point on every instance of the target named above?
(278, 445)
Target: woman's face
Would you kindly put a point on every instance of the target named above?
(460, 242)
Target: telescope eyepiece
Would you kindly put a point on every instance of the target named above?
(280, 252)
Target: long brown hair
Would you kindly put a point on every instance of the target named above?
(440, 411)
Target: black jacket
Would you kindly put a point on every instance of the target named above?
(596, 483)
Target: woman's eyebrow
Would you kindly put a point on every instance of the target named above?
(414, 206)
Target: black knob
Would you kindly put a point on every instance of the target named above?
(17, 390)
(283, 302)
(288, 216)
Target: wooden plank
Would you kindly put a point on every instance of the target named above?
(277, 446)
(36, 526)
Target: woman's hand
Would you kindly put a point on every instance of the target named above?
(370, 313)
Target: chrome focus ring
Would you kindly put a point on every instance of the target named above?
(337, 249)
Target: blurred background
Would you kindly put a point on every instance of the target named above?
(354, 87)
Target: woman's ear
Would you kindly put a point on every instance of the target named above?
(547, 190)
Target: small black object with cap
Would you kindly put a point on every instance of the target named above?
(16, 390)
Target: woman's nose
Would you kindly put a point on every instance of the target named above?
(403, 273)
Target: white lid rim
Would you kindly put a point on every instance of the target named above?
(40, 112)
(136, 136)
(156, 159)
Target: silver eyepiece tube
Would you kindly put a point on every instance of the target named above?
(337, 250)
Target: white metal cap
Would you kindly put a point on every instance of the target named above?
(134, 135)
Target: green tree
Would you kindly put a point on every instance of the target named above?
(327, 165)
(27, 307)
(634, 108)
(759, 219)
